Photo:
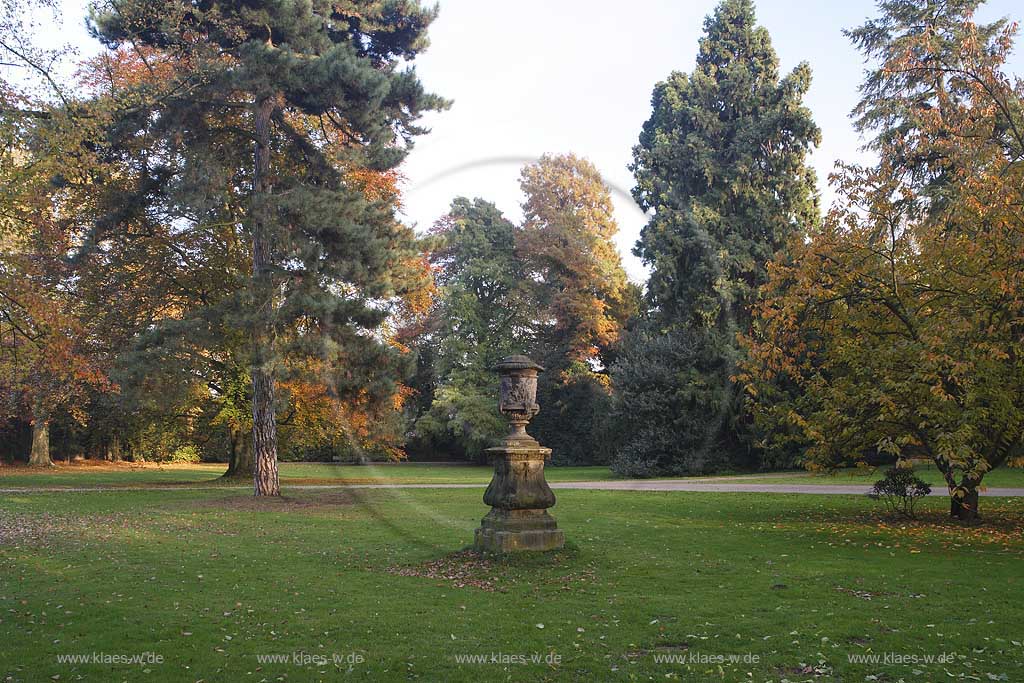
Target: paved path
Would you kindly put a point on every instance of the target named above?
(720, 486)
(715, 484)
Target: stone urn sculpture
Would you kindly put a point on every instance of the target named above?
(518, 494)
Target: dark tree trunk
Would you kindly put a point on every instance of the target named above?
(966, 508)
(241, 465)
(114, 449)
(264, 425)
(40, 453)
(135, 453)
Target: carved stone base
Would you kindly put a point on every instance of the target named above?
(519, 497)
(518, 482)
(503, 531)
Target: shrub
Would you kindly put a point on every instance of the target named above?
(674, 403)
(575, 415)
(900, 491)
(185, 454)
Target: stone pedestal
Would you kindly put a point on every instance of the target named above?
(518, 494)
(519, 497)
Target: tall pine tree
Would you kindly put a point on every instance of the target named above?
(264, 129)
(722, 166)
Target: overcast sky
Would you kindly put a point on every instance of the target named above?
(556, 76)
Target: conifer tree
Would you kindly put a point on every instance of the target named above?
(264, 130)
(721, 163)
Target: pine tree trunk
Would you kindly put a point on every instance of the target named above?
(264, 435)
(264, 424)
(40, 453)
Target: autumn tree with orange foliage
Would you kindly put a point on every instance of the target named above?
(50, 357)
(902, 319)
(553, 287)
(581, 298)
(566, 245)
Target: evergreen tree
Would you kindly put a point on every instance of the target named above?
(721, 163)
(262, 129)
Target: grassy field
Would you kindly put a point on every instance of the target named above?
(371, 585)
(88, 474)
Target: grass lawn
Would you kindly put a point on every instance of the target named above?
(790, 586)
(127, 474)
(1000, 477)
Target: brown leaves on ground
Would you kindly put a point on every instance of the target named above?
(819, 670)
(23, 529)
(461, 569)
(682, 646)
(1002, 525)
(93, 465)
(862, 594)
(40, 528)
(18, 529)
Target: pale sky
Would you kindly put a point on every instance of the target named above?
(557, 76)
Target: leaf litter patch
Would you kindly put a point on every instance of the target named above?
(468, 568)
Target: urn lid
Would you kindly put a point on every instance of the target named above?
(517, 362)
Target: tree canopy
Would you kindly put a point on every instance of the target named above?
(202, 254)
(553, 287)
